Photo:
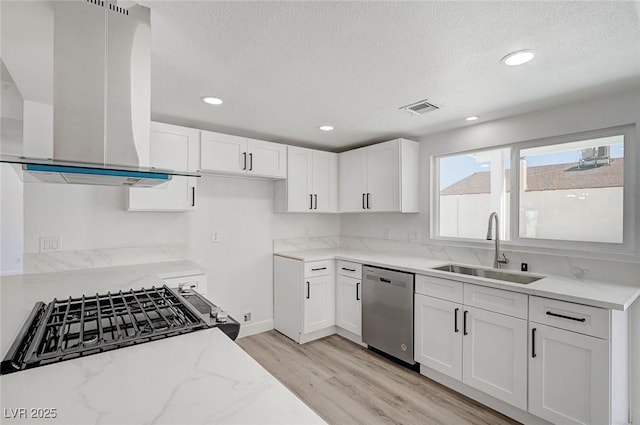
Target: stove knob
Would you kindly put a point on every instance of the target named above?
(222, 316)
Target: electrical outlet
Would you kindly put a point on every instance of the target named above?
(247, 317)
(414, 237)
(215, 236)
(49, 243)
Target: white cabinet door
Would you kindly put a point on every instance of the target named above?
(266, 159)
(348, 304)
(568, 377)
(325, 184)
(383, 176)
(319, 303)
(438, 335)
(174, 148)
(223, 153)
(299, 180)
(495, 355)
(352, 180)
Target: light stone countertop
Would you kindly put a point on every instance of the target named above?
(599, 294)
(197, 378)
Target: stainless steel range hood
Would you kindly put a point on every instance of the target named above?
(101, 98)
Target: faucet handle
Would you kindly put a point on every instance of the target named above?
(503, 259)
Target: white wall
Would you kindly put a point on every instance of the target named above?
(240, 277)
(11, 221)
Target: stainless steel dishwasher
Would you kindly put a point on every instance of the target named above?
(387, 311)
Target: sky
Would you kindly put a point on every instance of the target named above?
(456, 168)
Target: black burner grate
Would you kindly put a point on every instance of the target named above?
(80, 326)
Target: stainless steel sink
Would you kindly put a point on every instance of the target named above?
(489, 273)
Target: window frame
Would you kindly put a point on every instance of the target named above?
(538, 244)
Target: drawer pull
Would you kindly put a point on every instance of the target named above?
(562, 316)
(348, 270)
(318, 269)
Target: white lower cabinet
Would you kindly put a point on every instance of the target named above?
(495, 355)
(568, 377)
(349, 304)
(303, 298)
(483, 349)
(438, 335)
(319, 309)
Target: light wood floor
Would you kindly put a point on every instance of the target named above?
(347, 384)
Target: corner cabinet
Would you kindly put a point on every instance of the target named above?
(311, 184)
(303, 298)
(228, 154)
(175, 148)
(379, 178)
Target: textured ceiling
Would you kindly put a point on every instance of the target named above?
(283, 68)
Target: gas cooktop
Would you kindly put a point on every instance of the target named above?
(75, 327)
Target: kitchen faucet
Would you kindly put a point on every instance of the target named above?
(497, 261)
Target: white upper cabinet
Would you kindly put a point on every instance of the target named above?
(311, 184)
(227, 154)
(173, 148)
(379, 178)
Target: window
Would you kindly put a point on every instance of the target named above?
(566, 191)
(573, 191)
(471, 186)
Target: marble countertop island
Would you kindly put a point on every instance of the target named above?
(198, 378)
(599, 294)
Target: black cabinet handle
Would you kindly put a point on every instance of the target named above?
(310, 201)
(562, 316)
(308, 290)
(464, 323)
(318, 269)
(315, 197)
(368, 206)
(533, 342)
(455, 320)
(363, 207)
(251, 162)
(358, 291)
(193, 196)
(348, 270)
(244, 160)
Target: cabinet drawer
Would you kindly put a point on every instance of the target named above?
(349, 269)
(497, 300)
(580, 318)
(445, 289)
(318, 268)
(196, 282)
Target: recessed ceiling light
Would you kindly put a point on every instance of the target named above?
(471, 118)
(518, 58)
(325, 127)
(211, 100)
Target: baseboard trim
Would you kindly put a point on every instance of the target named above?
(350, 336)
(483, 398)
(322, 333)
(255, 328)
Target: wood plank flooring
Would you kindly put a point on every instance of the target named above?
(347, 384)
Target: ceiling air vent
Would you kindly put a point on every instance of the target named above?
(421, 107)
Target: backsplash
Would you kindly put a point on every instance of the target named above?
(95, 258)
(553, 264)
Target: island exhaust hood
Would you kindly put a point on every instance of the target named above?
(101, 98)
